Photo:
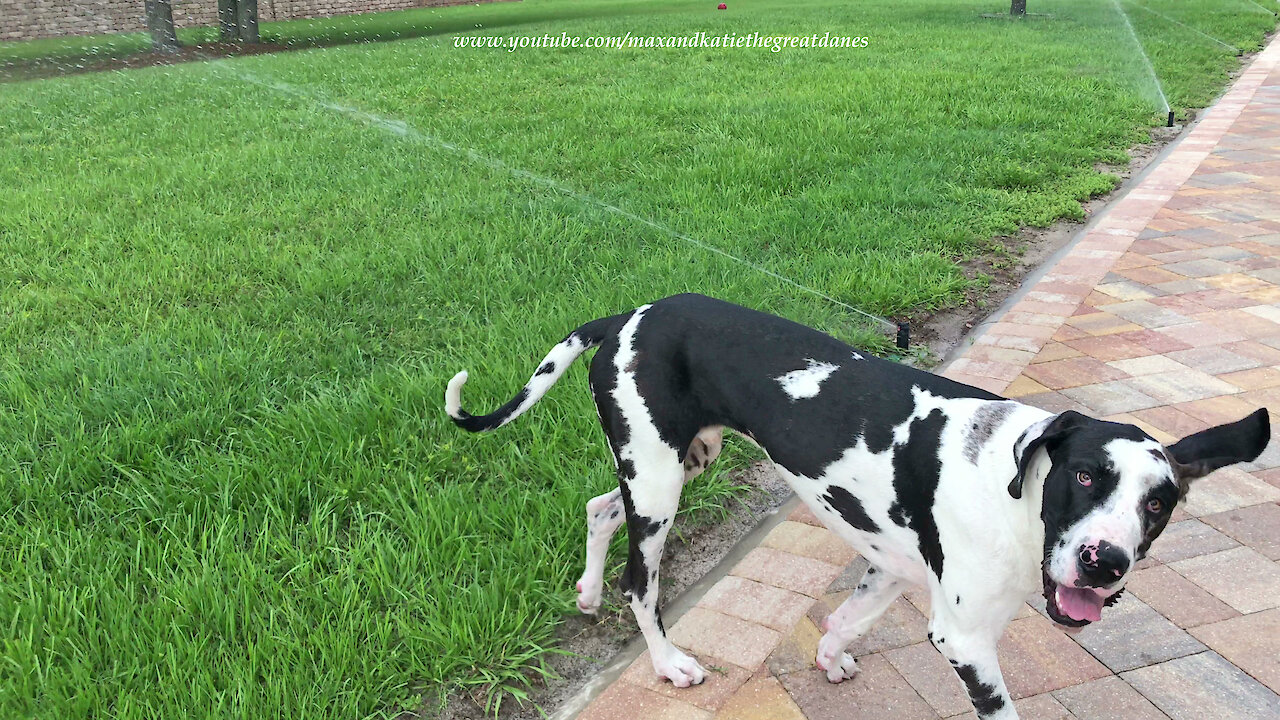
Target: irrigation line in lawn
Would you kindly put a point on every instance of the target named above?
(1232, 48)
(404, 130)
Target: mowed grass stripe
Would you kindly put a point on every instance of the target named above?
(228, 486)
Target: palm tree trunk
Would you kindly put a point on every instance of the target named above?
(247, 19)
(160, 25)
(227, 23)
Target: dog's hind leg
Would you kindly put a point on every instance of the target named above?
(605, 514)
(650, 478)
(855, 616)
(651, 499)
(650, 463)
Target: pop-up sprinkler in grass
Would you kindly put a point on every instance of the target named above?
(1151, 71)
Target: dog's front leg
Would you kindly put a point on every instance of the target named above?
(972, 655)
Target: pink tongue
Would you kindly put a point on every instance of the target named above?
(1080, 603)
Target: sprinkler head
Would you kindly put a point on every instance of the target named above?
(1170, 119)
(903, 341)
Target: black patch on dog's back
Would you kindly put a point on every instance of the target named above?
(917, 470)
(850, 508)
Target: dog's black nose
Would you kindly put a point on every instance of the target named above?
(1102, 563)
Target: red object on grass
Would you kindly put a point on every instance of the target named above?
(722, 6)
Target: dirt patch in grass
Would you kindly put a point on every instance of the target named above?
(55, 67)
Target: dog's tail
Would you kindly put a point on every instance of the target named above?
(552, 367)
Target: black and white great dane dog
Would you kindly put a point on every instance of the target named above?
(983, 500)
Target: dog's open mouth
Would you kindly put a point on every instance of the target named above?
(1075, 606)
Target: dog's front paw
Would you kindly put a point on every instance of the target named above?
(588, 597)
(680, 669)
(838, 664)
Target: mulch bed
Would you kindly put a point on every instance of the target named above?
(187, 53)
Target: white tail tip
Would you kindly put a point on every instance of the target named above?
(453, 395)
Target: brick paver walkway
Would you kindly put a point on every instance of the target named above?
(1167, 315)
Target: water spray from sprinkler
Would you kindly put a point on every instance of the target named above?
(1155, 79)
(1235, 50)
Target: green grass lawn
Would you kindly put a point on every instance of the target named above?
(227, 484)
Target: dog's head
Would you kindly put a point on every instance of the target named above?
(1108, 494)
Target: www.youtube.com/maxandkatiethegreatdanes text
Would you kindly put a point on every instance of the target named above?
(697, 40)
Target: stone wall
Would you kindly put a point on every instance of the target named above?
(27, 19)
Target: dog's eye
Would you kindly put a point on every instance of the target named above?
(1154, 506)
(1084, 478)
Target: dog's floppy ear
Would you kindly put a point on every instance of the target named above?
(1195, 456)
(1049, 430)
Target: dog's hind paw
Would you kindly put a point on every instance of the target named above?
(680, 669)
(588, 598)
